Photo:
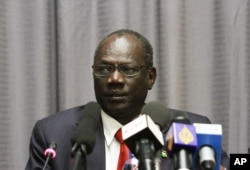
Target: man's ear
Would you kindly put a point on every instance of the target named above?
(151, 77)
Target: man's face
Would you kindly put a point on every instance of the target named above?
(119, 96)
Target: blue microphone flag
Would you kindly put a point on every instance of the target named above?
(209, 144)
(179, 136)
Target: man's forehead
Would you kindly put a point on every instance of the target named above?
(122, 43)
(120, 46)
(122, 38)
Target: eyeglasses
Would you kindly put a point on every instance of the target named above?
(127, 70)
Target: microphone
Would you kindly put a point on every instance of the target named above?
(208, 154)
(49, 153)
(83, 139)
(143, 137)
(158, 112)
(181, 141)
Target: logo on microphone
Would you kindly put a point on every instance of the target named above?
(181, 135)
(185, 135)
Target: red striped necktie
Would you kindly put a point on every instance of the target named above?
(124, 151)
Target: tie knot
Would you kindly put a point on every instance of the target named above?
(118, 135)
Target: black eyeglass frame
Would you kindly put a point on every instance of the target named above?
(118, 67)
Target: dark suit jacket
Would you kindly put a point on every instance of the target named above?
(59, 128)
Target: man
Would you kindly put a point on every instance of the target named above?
(123, 73)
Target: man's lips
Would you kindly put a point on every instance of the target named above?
(115, 95)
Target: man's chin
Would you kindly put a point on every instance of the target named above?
(116, 106)
(117, 111)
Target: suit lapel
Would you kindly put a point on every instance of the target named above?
(96, 160)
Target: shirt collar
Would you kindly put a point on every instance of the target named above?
(110, 127)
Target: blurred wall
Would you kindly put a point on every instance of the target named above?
(201, 52)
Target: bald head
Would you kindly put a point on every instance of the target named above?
(145, 44)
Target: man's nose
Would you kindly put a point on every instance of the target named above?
(116, 77)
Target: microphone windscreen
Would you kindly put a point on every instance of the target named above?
(158, 112)
(180, 117)
(86, 130)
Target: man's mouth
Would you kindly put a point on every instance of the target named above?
(115, 96)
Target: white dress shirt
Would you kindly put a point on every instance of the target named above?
(112, 146)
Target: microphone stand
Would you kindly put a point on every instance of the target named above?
(79, 157)
(145, 150)
(46, 163)
(49, 153)
(157, 160)
(183, 160)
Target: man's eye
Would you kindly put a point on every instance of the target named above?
(129, 69)
(104, 69)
